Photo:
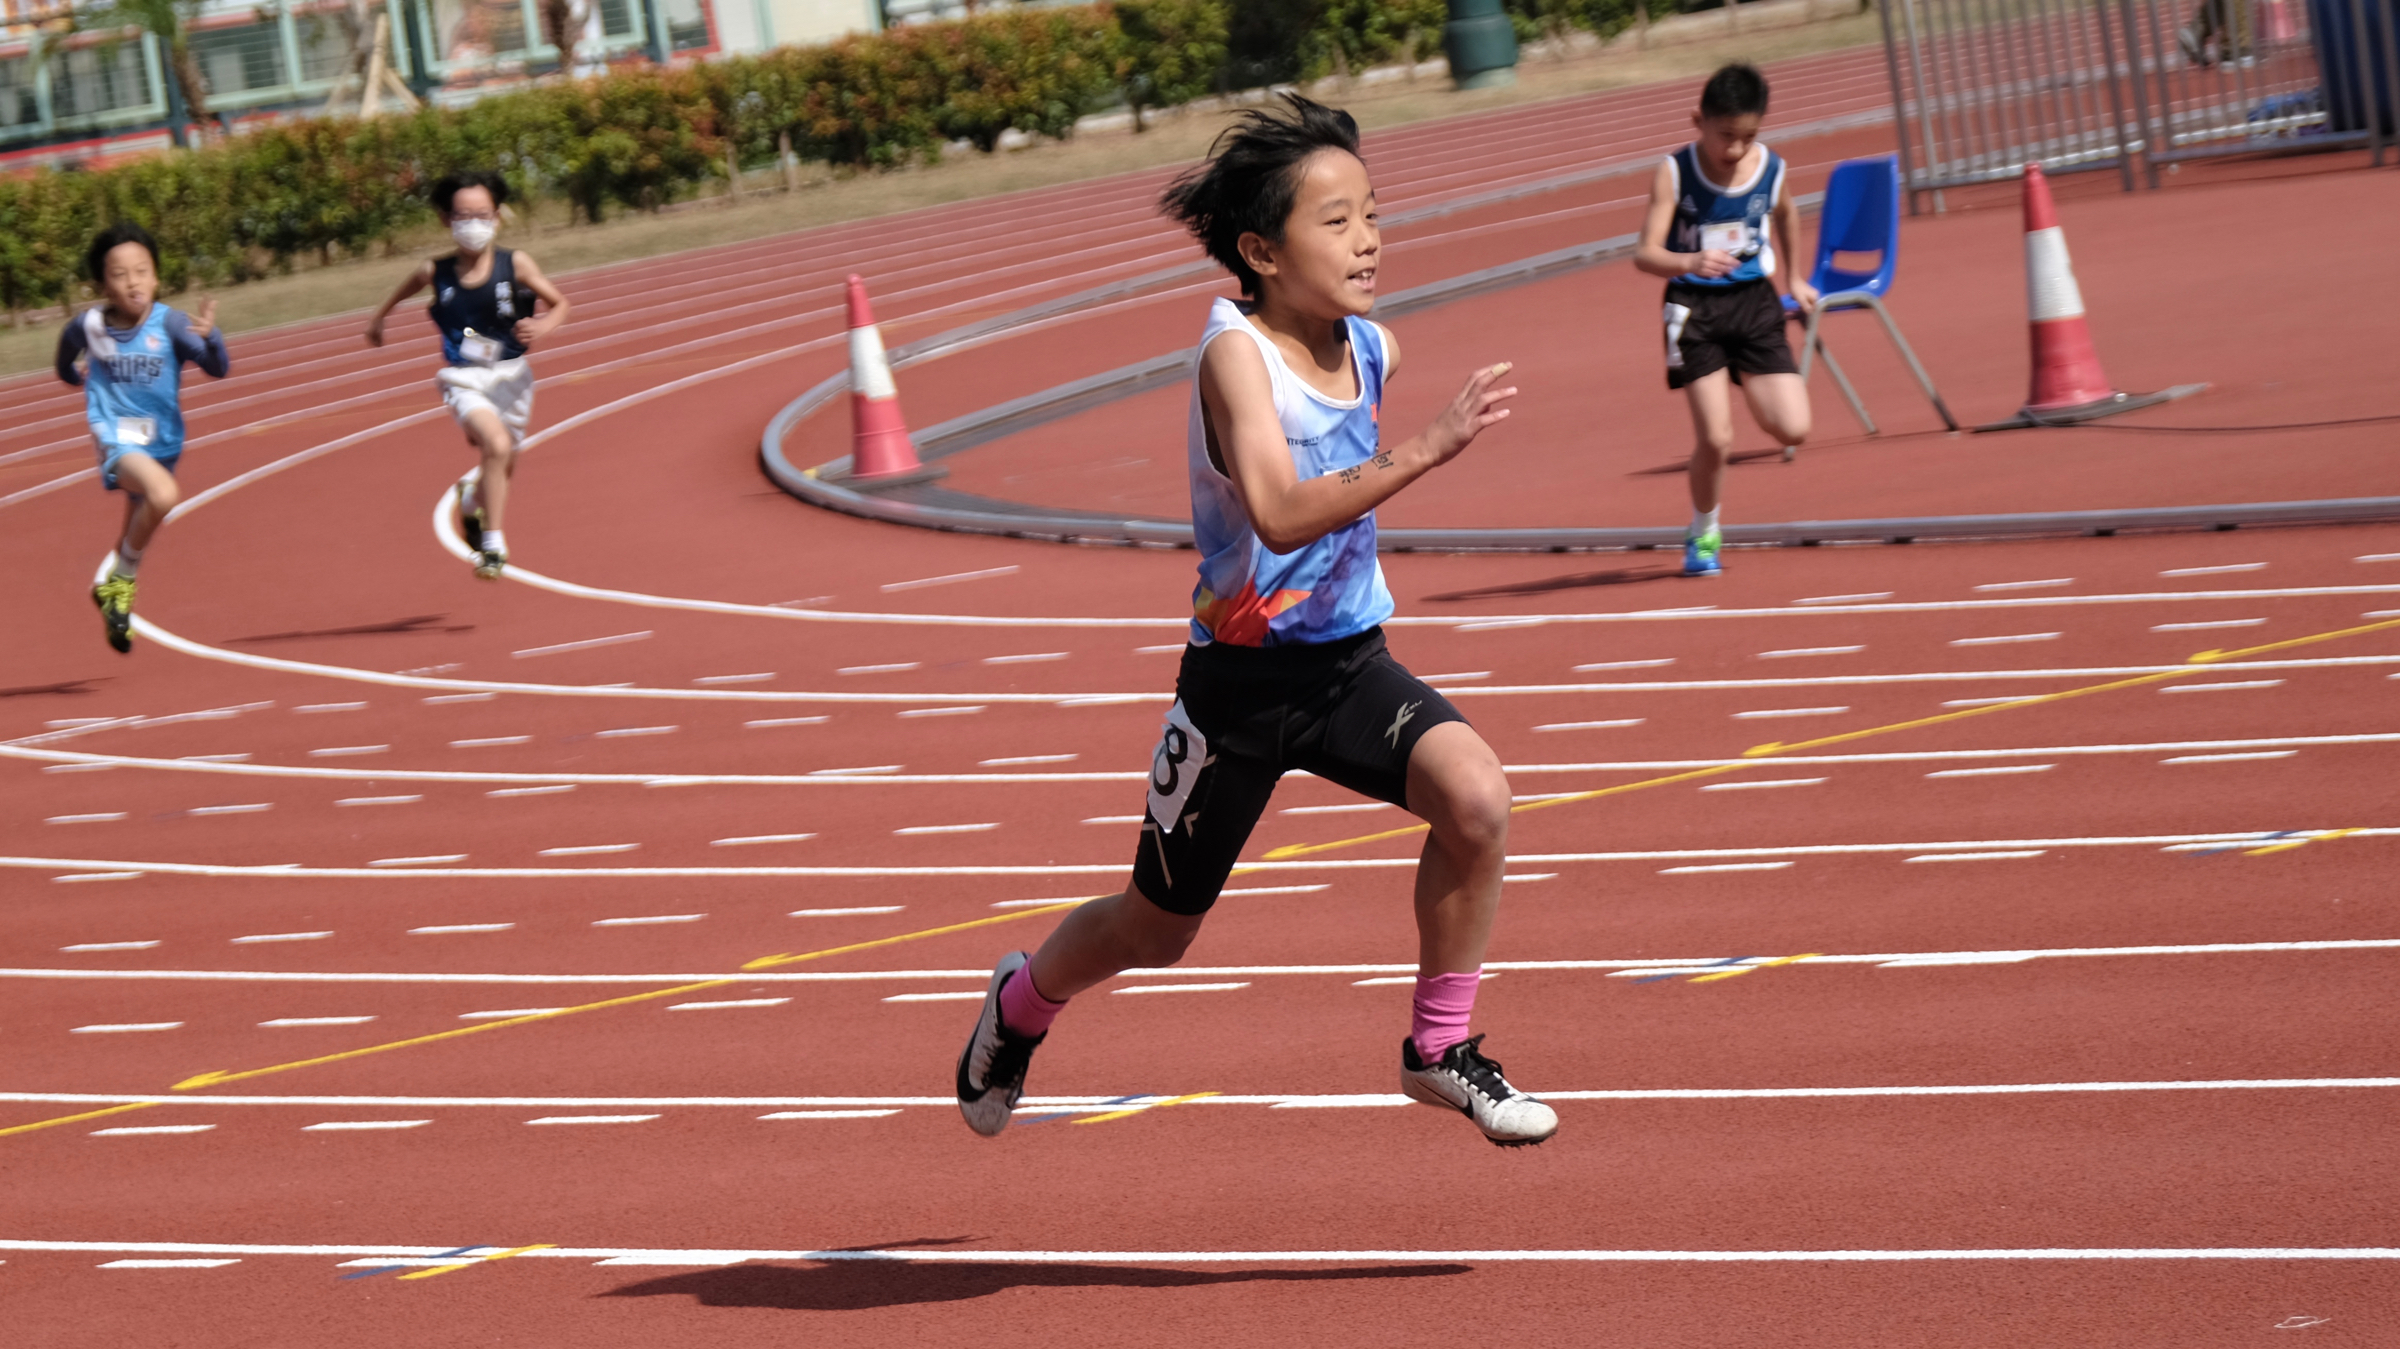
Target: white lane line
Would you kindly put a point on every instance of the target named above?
(1624, 665)
(348, 751)
(360, 1125)
(378, 800)
(1724, 866)
(1500, 624)
(110, 946)
(723, 1004)
(2002, 641)
(1029, 658)
(1789, 712)
(855, 772)
(1181, 988)
(713, 680)
(585, 645)
(952, 579)
(102, 876)
(1115, 819)
(292, 1021)
(506, 1013)
(452, 929)
(445, 699)
(829, 1114)
(895, 667)
(216, 758)
(2028, 585)
(95, 817)
(768, 722)
(251, 808)
(2232, 758)
(330, 707)
(966, 710)
(1992, 772)
(750, 840)
(1346, 808)
(1027, 760)
(913, 829)
(2221, 687)
(1755, 785)
(625, 731)
(592, 1119)
(1846, 599)
(649, 920)
(263, 937)
(486, 742)
(125, 1027)
(2203, 627)
(553, 789)
(854, 911)
(590, 849)
(2215, 571)
(969, 995)
(137, 1130)
(1591, 725)
(166, 1264)
(1974, 856)
(1956, 958)
(1276, 890)
(429, 860)
(1810, 651)
(74, 723)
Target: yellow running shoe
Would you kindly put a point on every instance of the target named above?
(115, 598)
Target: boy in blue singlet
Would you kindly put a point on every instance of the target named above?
(483, 304)
(133, 352)
(1718, 208)
(1286, 668)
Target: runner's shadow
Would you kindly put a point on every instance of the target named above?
(1615, 576)
(859, 1285)
(419, 623)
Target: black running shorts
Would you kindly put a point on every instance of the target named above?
(1737, 328)
(1243, 717)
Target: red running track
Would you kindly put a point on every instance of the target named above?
(2098, 977)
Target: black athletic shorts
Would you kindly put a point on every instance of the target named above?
(1737, 328)
(1243, 717)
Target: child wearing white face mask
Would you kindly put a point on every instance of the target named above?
(483, 303)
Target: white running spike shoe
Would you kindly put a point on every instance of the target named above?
(991, 1070)
(1465, 1081)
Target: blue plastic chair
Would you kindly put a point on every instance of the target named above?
(1860, 216)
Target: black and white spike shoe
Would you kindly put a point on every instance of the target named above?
(1465, 1081)
(991, 1071)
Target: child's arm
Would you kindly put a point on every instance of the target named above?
(1289, 514)
(198, 340)
(70, 346)
(531, 330)
(1787, 244)
(1651, 254)
(409, 285)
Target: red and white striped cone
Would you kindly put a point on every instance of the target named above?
(880, 447)
(2068, 383)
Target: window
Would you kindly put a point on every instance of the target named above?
(101, 78)
(472, 32)
(238, 60)
(616, 19)
(325, 44)
(687, 24)
(17, 104)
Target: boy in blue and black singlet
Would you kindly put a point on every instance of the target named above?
(483, 306)
(1718, 209)
(133, 351)
(1286, 669)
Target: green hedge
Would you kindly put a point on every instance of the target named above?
(637, 139)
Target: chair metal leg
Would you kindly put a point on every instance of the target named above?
(1841, 380)
(1924, 381)
(1810, 345)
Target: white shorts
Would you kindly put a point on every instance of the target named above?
(505, 388)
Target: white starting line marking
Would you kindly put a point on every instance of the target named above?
(348, 751)
(1459, 676)
(448, 929)
(645, 921)
(109, 946)
(2203, 627)
(2002, 641)
(735, 678)
(592, 1119)
(2220, 688)
(1992, 772)
(625, 731)
(261, 937)
(1592, 725)
(1770, 782)
(430, 860)
(1810, 651)
(848, 913)
(329, 707)
(946, 828)
(767, 722)
(1973, 856)
(505, 1013)
(2028, 585)
(1038, 903)
(1497, 624)
(1181, 988)
(139, 1130)
(725, 1004)
(590, 849)
(252, 808)
(1989, 702)
(584, 645)
(626, 1257)
(1115, 819)
(445, 699)
(378, 800)
(1347, 808)
(952, 579)
(1724, 866)
(552, 790)
(168, 1264)
(1024, 760)
(894, 667)
(356, 1125)
(1029, 658)
(829, 1114)
(1846, 599)
(95, 817)
(2215, 571)
(124, 1027)
(2232, 758)
(964, 995)
(965, 710)
(1789, 712)
(316, 1021)
(1276, 890)
(486, 742)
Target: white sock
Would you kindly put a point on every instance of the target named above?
(494, 542)
(1704, 521)
(127, 562)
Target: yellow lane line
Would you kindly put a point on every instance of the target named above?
(2289, 844)
(1142, 1109)
(1746, 969)
(71, 1119)
(440, 1270)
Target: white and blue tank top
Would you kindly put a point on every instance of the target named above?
(1732, 218)
(479, 323)
(1326, 590)
(133, 378)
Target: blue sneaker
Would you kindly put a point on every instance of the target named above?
(1700, 554)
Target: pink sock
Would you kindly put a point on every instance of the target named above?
(1023, 1007)
(1443, 1005)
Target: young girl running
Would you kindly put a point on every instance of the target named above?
(483, 303)
(133, 352)
(1287, 668)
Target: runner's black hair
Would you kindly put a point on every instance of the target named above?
(95, 258)
(1252, 177)
(448, 189)
(1734, 91)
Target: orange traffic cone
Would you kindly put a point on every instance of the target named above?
(880, 447)
(2068, 384)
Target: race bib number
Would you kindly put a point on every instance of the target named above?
(1731, 236)
(136, 431)
(478, 348)
(1182, 751)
